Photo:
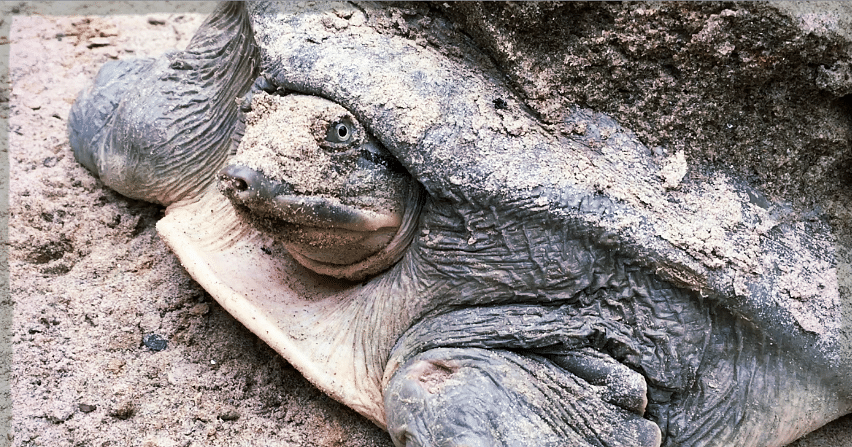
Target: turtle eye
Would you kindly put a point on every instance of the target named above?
(339, 132)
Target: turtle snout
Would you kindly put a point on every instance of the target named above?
(239, 179)
(244, 184)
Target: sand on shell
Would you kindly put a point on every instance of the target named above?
(90, 278)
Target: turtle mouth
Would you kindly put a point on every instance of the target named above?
(319, 228)
(325, 242)
(264, 197)
(320, 213)
(320, 232)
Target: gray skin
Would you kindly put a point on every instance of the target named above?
(525, 306)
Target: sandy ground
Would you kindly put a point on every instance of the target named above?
(91, 279)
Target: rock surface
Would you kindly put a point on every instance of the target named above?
(91, 278)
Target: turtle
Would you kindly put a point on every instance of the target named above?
(393, 219)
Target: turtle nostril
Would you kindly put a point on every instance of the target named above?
(239, 184)
(244, 183)
(239, 178)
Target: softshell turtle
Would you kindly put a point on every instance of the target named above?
(396, 223)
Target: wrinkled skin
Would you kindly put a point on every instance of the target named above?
(500, 300)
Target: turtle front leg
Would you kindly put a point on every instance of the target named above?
(480, 397)
(159, 129)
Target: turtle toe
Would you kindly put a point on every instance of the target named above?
(619, 384)
(644, 432)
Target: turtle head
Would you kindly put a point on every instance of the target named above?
(308, 174)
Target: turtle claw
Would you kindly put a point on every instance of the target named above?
(621, 385)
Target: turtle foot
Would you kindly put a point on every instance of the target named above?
(480, 397)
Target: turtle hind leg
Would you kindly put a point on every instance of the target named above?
(480, 397)
(158, 130)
